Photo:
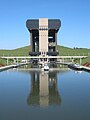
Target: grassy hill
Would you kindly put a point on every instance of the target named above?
(73, 51)
(16, 52)
(24, 51)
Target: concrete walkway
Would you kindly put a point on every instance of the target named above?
(12, 66)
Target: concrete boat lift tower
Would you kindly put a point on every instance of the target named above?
(43, 37)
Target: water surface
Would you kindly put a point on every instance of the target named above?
(32, 95)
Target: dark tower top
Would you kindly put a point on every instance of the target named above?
(52, 24)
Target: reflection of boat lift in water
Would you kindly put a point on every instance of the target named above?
(78, 72)
(43, 89)
(75, 67)
(44, 72)
(45, 67)
(78, 67)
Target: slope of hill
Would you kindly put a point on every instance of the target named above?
(23, 51)
(76, 51)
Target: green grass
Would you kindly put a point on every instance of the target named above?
(72, 52)
(24, 51)
(63, 51)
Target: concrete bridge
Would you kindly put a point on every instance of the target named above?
(60, 59)
(29, 57)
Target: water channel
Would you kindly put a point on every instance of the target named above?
(37, 95)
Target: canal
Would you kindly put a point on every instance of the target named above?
(36, 95)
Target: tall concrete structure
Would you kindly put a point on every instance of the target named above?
(43, 36)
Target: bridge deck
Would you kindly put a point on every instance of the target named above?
(38, 57)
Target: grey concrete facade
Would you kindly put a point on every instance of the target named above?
(43, 36)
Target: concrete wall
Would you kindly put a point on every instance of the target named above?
(43, 35)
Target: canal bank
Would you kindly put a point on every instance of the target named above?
(12, 66)
(71, 66)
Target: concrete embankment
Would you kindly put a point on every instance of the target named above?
(12, 66)
(7, 67)
(84, 68)
(87, 69)
(79, 67)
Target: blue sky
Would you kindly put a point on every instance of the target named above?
(74, 16)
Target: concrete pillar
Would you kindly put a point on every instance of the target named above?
(80, 61)
(14, 61)
(17, 60)
(43, 35)
(31, 42)
(56, 40)
(72, 60)
(7, 61)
